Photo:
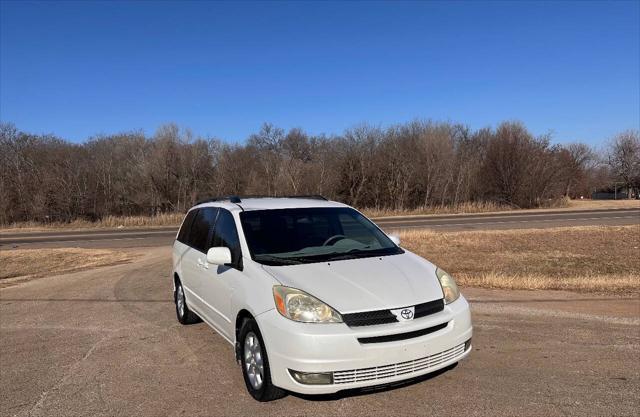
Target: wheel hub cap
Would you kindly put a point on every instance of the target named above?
(253, 360)
(180, 300)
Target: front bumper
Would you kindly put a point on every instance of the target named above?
(334, 347)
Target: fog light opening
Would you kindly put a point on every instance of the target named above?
(312, 378)
(467, 345)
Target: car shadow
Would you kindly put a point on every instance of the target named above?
(356, 392)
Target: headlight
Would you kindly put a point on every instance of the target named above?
(449, 287)
(299, 306)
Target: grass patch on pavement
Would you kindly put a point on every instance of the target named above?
(587, 258)
(27, 263)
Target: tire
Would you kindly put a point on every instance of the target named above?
(252, 355)
(185, 316)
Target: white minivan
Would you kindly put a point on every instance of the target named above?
(314, 297)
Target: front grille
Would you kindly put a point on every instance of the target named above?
(369, 318)
(426, 309)
(403, 368)
(372, 318)
(402, 336)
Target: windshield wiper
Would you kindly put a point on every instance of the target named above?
(351, 255)
(325, 257)
(358, 253)
(276, 260)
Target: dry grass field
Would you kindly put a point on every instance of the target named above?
(174, 219)
(602, 204)
(31, 263)
(489, 207)
(592, 259)
(167, 219)
(464, 208)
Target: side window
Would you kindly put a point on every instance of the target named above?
(226, 234)
(201, 229)
(183, 235)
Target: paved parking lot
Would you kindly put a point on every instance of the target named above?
(106, 342)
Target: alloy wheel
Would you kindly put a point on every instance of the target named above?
(253, 360)
(180, 300)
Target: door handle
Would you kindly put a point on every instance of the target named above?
(203, 264)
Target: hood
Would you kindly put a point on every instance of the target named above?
(364, 284)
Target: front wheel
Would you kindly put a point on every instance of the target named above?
(255, 364)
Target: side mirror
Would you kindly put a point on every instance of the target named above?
(395, 239)
(219, 256)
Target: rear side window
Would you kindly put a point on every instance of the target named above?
(202, 228)
(226, 234)
(183, 235)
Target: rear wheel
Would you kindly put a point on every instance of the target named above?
(255, 364)
(185, 316)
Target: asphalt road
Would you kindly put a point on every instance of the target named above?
(106, 343)
(164, 236)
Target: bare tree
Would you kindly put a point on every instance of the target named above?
(520, 169)
(576, 161)
(624, 159)
(268, 144)
(421, 163)
(358, 149)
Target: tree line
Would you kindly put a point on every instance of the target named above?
(405, 166)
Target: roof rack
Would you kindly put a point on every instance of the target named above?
(308, 197)
(238, 199)
(231, 198)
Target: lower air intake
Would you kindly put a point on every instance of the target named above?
(401, 368)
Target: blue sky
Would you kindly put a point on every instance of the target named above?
(222, 69)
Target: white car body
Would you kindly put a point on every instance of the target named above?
(223, 296)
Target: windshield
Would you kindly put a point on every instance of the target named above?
(307, 235)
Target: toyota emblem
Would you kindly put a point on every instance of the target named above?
(406, 314)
